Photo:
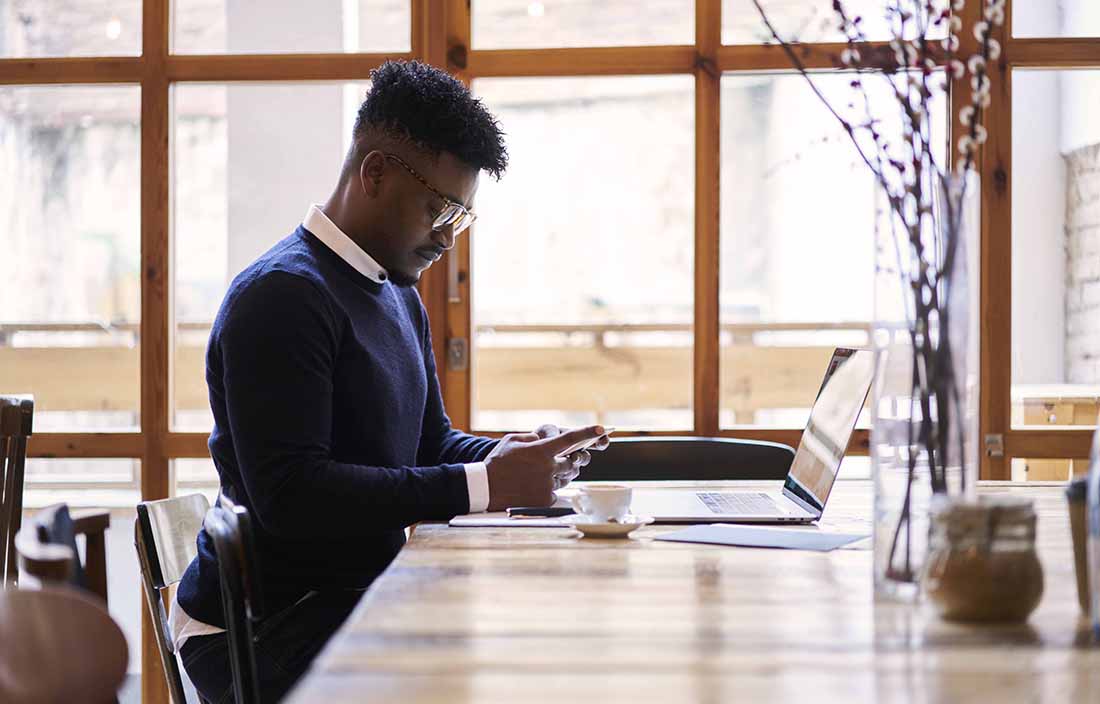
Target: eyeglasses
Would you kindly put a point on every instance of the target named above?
(453, 213)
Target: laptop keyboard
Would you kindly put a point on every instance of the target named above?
(738, 503)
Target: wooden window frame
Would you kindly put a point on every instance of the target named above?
(440, 34)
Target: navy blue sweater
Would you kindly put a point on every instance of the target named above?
(328, 425)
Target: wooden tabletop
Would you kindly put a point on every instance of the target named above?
(536, 615)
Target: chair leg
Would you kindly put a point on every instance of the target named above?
(95, 568)
(93, 525)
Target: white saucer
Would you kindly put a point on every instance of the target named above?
(607, 529)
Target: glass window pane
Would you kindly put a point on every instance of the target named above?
(290, 26)
(810, 21)
(195, 476)
(1026, 469)
(70, 304)
(229, 179)
(1055, 248)
(83, 482)
(798, 210)
(583, 255)
(1065, 18)
(39, 28)
(526, 24)
(854, 467)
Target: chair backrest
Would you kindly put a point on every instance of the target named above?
(60, 645)
(230, 528)
(16, 421)
(164, 537)
(47, 548)
(689, 458)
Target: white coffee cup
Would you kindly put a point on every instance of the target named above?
(603, 502)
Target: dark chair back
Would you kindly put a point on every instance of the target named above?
(690, 459)
(47, 548)
(230, 528)
(16, 421)
(164, 536)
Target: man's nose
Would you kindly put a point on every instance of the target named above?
(446, 236)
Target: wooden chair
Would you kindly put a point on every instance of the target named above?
(59, 645)
(164, 536)
(47, 548)
(16, 420)
(230, 528)
(689, 458)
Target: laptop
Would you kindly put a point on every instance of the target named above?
(812, 473)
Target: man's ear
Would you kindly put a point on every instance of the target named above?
(371, 170)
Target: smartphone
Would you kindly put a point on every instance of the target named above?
(539, 511)
(585, 444)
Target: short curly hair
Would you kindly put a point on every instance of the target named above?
(434, 111)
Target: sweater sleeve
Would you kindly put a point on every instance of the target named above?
(278, 347)
(439, 442)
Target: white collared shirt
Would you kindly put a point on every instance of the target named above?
(334, 238)
(316, 222)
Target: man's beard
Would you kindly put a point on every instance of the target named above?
(402, 280)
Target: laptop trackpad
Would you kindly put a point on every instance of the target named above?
(739, 503)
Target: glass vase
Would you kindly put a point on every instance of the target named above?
(924, 405)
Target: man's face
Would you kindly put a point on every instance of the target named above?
(403, 240)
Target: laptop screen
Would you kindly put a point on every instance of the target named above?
(832, 419)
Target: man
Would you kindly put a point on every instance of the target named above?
(329, 426)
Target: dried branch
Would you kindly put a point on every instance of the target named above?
(912, 179)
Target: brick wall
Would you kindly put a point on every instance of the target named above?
(1082, 265)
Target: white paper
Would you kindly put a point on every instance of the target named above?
(759, 537)
(499, 519)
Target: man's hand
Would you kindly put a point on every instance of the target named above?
(523, 468)
(578, 460)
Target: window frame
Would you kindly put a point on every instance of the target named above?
(441, 36)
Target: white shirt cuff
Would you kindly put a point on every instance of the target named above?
(477, 484)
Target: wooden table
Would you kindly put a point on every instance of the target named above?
(534, 615)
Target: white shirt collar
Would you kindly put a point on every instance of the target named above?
(326, 230)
